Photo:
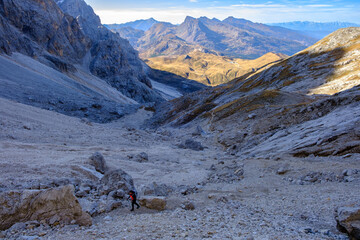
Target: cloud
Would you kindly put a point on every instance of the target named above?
(319, 6)
(192, 0)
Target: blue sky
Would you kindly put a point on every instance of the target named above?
(175, 11)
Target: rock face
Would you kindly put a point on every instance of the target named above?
(64, 60)
(40, 28)
(112, 58)
(53, 205)
(348, 220)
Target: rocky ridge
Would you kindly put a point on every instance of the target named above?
(310, 86)
(257, 158)
(38, 35)
(112, 58)
(210, 69)
(143, 24)
(231, 37)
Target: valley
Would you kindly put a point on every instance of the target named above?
(271, 198)
(224, 129)
(210, 69)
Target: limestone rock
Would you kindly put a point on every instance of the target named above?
(52, 205)
(188, 206)
(199, 131)
(98, 161)
(117, 194)
(157, 203)
(112, 58)
(141, 157)
(155, 189)
(52, 41)
(192, 144)
(49, 29)
(348, 220)
(115, 180)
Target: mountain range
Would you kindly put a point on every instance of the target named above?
(272, 154)
(316, 30)
(317, 88)
(231, 37)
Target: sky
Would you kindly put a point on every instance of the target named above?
(175, 11)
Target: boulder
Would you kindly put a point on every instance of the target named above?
(199, 131)
(117, 194)
(155, 189)
(188, 206)
(141, 157)
(52, 205)
(98, 161)
(116, 180)
(348, 220)
(192, 144)
(151, 202)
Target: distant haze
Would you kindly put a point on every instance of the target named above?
(121, 11)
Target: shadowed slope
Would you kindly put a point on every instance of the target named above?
(328, 67)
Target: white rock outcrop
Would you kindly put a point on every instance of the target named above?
(58, 205)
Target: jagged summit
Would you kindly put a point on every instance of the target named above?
(194, 31)
(122, 58)
(143, 25)
(85, 15)
(189, 19)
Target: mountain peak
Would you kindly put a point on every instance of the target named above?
(237, 20)
(189, 19)
(142, 24)
(80, 8)
(204, 18)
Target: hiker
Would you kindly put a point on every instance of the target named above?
(132, 196)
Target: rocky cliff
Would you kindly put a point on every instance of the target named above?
(112, 57)
(72, 41)
(40, 29)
